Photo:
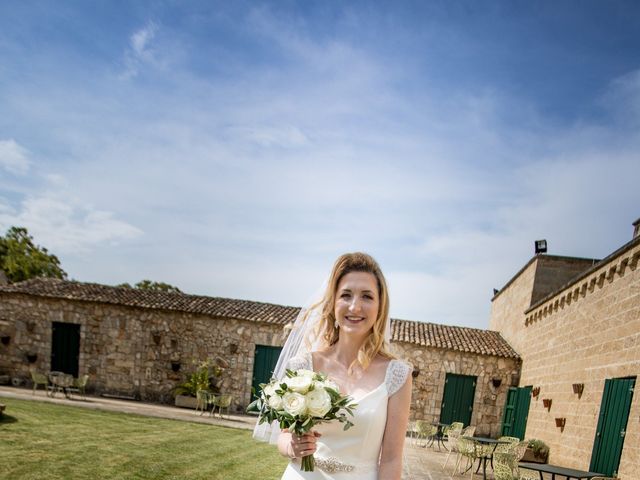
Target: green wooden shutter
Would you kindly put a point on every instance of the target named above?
(457, 400)
(264, 363)
(522, 412)
(516, 412)
(612, 425)
(509, 411)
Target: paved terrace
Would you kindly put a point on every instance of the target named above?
(419, 463)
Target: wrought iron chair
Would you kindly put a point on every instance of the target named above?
(505, 464)
(80, 384)
(202, 401)
(454, 427)
(454, 435)
(425, 431)
(505, 447)
(412, 431)
(39, 379)
(222, 401)
(466, 448)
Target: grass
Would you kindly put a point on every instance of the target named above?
(43, 440)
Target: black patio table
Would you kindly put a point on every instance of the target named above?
(483, 460)
(568, 473)
(439, 435)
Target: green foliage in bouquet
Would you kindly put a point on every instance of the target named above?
(301, 401)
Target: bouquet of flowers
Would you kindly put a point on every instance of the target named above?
(300, 401)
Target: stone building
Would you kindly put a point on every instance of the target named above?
(576, 325)
(140, 344)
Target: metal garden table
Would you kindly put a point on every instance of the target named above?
(568, 473)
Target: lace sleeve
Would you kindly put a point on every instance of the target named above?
(397, 374)
(297, 363)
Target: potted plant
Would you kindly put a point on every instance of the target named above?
(200, 379)
(537, 451)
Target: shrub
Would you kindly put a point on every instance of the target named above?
(539, 448)
(200, 379)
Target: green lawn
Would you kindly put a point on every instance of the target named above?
(41, 440)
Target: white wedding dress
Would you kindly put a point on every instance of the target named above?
(352, 454)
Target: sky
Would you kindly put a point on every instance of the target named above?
(236, 149)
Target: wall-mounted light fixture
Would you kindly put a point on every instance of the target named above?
(496, 382)
(578, 389)
(175, 365)
(5, 339)
(415, 372)
(547, 403)
(535, 391)
(540, 246)
(560, 423)
(32, 357)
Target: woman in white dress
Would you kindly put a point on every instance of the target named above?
(351, 346)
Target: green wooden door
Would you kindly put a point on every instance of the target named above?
(264, 363)
(612, 425)
(65, 347)
(457, 401)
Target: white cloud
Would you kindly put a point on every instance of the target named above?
(140, 50)
(13, 157)
(65, 225)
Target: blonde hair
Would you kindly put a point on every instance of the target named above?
(327, 330)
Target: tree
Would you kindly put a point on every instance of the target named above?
(21, 259)
(152, 285)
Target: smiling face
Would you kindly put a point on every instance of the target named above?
(356, 303)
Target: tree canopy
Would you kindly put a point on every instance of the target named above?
(152, 285)
(21, 259)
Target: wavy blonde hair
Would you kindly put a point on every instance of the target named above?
(327, 330)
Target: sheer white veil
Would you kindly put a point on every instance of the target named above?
(304, 337)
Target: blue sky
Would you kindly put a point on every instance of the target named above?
(237, 150)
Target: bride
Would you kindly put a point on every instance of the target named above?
(346, 336)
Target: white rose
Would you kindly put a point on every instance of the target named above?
(299, 384)
(269, 390)
(329, 384)
(318, 402)
(305, 373)
(294, 403)
(275, 402)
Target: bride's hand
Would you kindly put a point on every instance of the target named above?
(302, 445)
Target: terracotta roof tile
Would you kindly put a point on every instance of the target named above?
(472, 340)
(434, 335)
(93, 292)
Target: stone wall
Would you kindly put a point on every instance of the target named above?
(586, 333)
(433, 364)
(129, 351)
(508, 306)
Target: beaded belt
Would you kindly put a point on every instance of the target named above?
(333, 465)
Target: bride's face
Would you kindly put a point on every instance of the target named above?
(357, 303)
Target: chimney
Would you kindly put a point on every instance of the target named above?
(636, 228)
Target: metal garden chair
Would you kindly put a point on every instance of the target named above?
(39, 379)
